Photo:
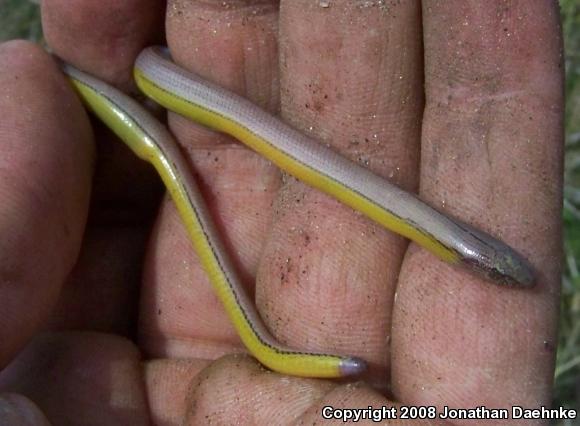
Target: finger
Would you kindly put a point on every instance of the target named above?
(167, 383)
(100, 373)
(492, 156)
(328, 276)
(126, 189)
(104, 38)
(237, 387)
(267, 397)
(234, 44)
(45, 172)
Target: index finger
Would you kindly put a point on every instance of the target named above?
(492, 156)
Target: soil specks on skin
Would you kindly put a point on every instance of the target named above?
(382, 5)
(549, 346)
(285, 270)
(176, 8)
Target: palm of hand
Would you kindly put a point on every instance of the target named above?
(326, 278)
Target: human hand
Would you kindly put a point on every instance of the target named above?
(351, 75)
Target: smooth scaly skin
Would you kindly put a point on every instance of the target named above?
(151, 141)
(311, 162)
